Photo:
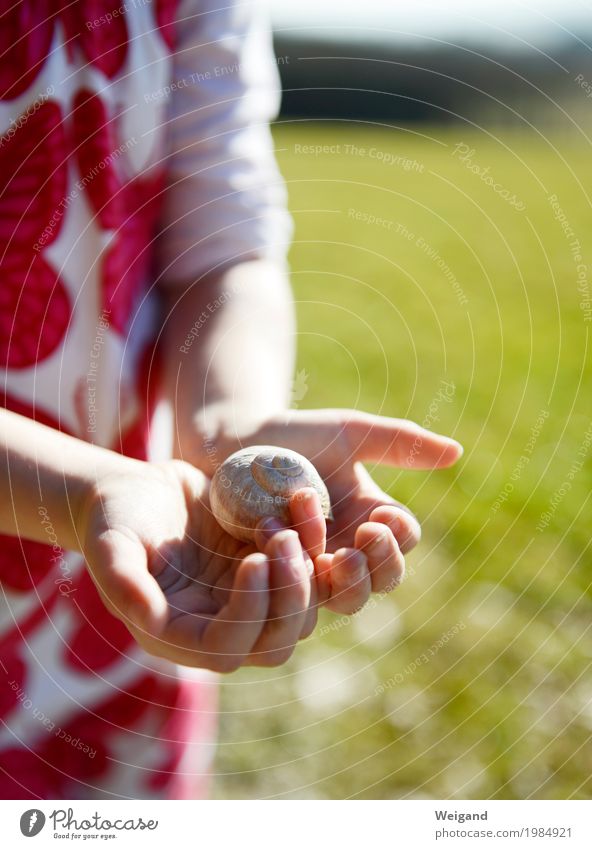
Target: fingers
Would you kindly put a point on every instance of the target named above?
(385, 561)
(350, 581)
(230, 637)
(382, 508)
(311, 526)
(312, 614)
(398, 442)
(194, 638)
(346, 579)
(308, 520)
(290, 593)
(404, 527)
(322, 566)
(118, 566)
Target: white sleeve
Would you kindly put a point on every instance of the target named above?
(225, 199)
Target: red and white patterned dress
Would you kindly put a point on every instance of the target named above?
(135, 153)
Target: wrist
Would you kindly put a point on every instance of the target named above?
(45, 476)
(240, 373)
(88, 488)
(215, 432)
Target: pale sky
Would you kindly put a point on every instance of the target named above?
(535, 21)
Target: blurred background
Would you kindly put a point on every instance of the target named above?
(439, 168)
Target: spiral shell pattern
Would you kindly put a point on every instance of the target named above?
(259, 481)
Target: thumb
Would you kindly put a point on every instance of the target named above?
(118, 566)
(399, 442)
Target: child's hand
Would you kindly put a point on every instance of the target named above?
(371, 531)
(187, 590)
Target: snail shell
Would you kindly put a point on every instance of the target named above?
(259, 481)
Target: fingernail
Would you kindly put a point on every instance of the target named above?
(395, 525)
(309, 500)
(257, 576)
(290, 547)
(380, 545)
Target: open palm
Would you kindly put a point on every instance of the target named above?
(186, 589)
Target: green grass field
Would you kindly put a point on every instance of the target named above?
(474, 679)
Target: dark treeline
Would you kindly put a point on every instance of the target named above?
(404, 82)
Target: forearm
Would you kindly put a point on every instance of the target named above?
(229, 348)
(46, 474)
